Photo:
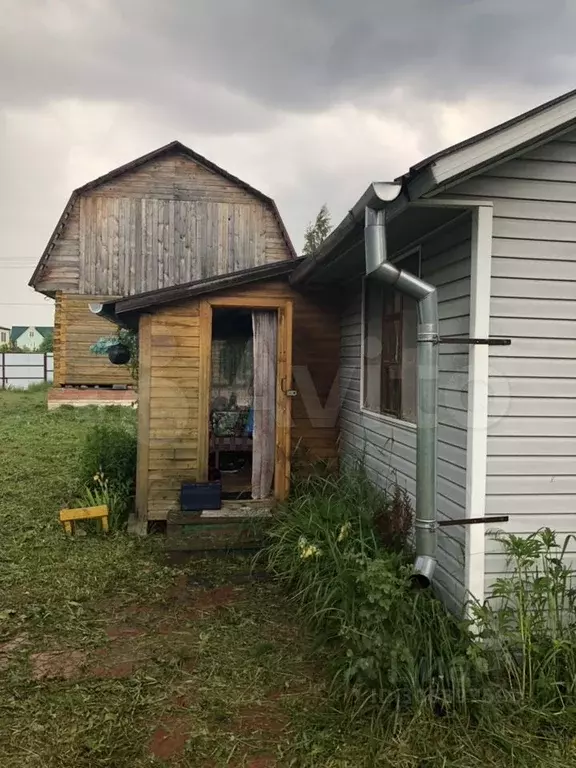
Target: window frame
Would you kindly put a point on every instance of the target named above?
(387, 418)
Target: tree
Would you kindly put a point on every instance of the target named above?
(47, 344)
(317, 231)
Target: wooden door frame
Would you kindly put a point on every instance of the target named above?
(284, 309)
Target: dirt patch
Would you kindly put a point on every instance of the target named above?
(61, 665)
(264, 761)
(120, 631)
(260, 719)
(11, 647)
(215, 598)
(169, 739)
(114, 671)
(255, 761)
(118, 660)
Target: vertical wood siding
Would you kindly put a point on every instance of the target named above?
(387, 447)
(166, 223)
(532, 405)
(180, 241)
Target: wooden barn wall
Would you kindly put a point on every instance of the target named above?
(172, 421)
(169, 222)
(75, 330)
(62, 271)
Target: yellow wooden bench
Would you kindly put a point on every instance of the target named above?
(70, 516)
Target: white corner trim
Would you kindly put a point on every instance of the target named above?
(477, 421)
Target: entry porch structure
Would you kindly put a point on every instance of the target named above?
(194, 413)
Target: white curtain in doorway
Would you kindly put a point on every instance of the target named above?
(264, 326)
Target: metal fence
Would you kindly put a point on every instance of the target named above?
(19, 370)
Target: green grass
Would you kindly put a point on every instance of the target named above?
(200, 649)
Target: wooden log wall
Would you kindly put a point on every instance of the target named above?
(75, 330)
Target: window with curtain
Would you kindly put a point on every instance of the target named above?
(390, 328)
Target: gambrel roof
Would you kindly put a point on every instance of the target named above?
(172, 147)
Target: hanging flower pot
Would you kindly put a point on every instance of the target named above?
(119, 354)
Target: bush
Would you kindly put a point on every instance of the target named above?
(107, 469)
(110, 449)
(391, 642)
(398, 649)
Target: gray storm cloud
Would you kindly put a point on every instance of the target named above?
(309, 100)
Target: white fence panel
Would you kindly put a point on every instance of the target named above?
(20, 370)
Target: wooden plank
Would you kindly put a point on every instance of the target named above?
(204, 387)
(147, 257)
(199, 249)
(105, 225)
(209, 264)
(83, 513)
(190, 239)
(179, 227)
(82, 247)
(137, 269)
(114, 244)
(289, 322)
(283, 382)
(144, 385)
(255, 302)
(180, 326)
(222, 239)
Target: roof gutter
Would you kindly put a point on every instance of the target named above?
(105, 310)
(376, 196)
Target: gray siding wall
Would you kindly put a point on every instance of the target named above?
(387, 446)
(532, 404)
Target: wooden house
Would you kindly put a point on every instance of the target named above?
(165, 219)
(184, 388)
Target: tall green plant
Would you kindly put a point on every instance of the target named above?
(528, 623)
(107, 469)
(398, 649)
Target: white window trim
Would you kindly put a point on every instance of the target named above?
(386, 418)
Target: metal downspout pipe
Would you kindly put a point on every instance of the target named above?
(379, 268)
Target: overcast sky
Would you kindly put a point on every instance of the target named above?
(307, 100)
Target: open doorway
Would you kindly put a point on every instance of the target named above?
(243, 402)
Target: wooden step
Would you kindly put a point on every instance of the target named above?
(237, 526)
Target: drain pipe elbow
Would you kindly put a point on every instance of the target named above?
(378, 267)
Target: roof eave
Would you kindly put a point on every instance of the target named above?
(117, 309)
